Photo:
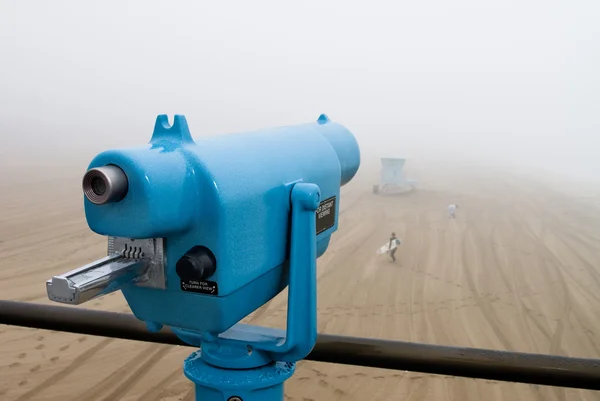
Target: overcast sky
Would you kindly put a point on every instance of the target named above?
(495, 80)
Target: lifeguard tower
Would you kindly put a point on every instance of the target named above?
(393, 180)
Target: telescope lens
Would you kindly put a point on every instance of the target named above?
(105, 184)
(98, 186)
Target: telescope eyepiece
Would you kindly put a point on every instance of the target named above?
(105, 184)
(98, 186)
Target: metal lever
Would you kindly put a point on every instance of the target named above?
(96, 279)
(129, 261)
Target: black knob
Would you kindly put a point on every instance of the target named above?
(197, 264)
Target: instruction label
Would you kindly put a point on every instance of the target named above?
(326, 214)
(201, 287)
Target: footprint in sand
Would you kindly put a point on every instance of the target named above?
(35, 368)
(40, 346)
(22, 355)
(64, 347)
(14, 364)
(54, 359)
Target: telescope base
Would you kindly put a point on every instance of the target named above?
(212, 383)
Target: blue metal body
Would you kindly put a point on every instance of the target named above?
(230, 194)
(254, 200)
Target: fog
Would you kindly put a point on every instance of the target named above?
(501, 82)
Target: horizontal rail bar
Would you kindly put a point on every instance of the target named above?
(538, 369)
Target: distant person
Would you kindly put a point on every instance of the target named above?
(393, 241)
(452, 211)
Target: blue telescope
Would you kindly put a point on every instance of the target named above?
(202, 233)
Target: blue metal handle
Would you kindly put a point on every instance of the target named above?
(301, 333)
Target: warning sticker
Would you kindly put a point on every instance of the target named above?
(326, 215)
(201, 287)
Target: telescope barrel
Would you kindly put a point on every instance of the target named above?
(347, 150)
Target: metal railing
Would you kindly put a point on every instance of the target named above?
(550, 370)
